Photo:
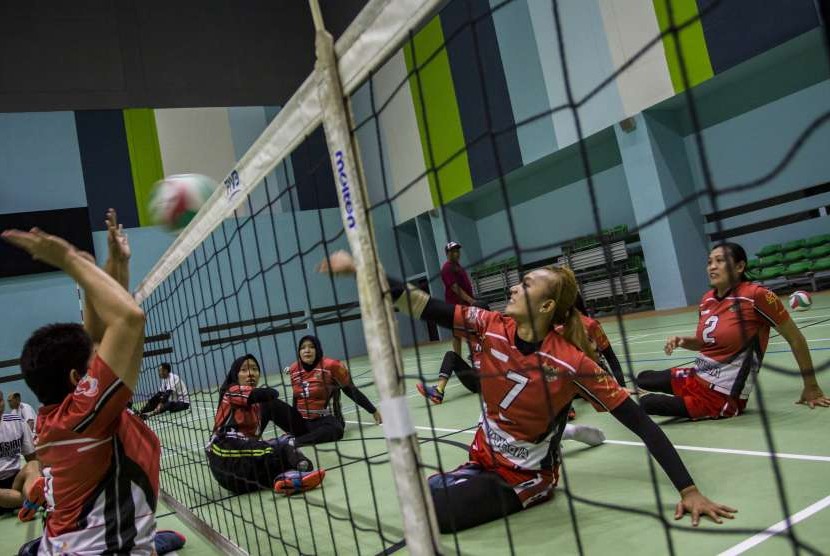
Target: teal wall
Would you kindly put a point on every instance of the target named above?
(558, 216)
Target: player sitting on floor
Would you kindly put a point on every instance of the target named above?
(172, 395)
(529, 375)
(606, 357)
(239, 459)
(16, 440)
(732, 335)
(100, 462)
(316, 415)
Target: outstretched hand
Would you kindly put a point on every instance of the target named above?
(693, 502)
(339, 262)
(41, 246)
(672, 343)
(119, 246)
(813, 397)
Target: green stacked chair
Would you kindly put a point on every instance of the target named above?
(771, 272)
(767, 250)
(821, 264)
(771, 260)
(819, 252)
(753, 264)
(753, 275)
(793, 245)
(795, 269)
(815, 241)
(795, 256)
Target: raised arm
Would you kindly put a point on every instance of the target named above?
(122, 342)
(811, 395)
(117, 266)
(405, 297)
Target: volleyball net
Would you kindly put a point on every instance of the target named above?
(373, 154)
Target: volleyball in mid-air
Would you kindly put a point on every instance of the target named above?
(176, 199)
(800, 301)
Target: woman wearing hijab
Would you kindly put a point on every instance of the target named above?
(317, 381)
(239, 459)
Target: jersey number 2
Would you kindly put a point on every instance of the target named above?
(709, 327)
(521, 382)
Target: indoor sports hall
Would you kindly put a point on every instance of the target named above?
(415, 276)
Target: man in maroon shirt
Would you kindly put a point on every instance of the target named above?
(457, 285)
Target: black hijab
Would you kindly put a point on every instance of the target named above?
(233, 375)
(318, 351)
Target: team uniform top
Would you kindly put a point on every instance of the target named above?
(15, 439)
(595, 332)
(174, 384)
(525, 396)
(731, 355)
(101, 465)
(235, 418)
(313, 389)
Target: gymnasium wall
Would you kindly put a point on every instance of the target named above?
(750, 146)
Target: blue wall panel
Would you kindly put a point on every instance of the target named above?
(40, 164)
(105, 159)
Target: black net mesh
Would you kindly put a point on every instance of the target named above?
(251, 287)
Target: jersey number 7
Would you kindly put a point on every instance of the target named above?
(521, 382)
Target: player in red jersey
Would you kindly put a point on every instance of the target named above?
(529, 375)
(315, 415)
(606, 357)
(732, 335)
(240, 460)
(100, 463)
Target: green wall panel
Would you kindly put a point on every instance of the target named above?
(692, 42)
(145, 157)
(436, 109)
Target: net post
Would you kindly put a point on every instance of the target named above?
(379, 324)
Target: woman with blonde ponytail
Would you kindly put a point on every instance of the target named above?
(528, 375)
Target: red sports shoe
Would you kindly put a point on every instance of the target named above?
(35, 499)
(432, 393)
(293, 482)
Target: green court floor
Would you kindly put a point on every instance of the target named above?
(614, 507)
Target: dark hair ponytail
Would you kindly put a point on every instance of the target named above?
(737, 254)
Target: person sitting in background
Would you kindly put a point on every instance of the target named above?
(735, 318)
(240, 460)
(317, 381)
(172, 395)
(16, 440)
(26, 412)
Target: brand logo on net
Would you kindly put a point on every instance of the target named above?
(344, 188)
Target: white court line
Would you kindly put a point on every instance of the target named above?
(778, 528)
(782, 455)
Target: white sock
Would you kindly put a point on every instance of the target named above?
(586, 434)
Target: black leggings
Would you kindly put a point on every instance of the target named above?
(246, 465)
(660, 404)
(306, 431)
(468, 497)
(465, 373)
(160, 399)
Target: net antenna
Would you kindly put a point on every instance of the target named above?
(378, 316)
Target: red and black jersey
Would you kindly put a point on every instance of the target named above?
(101, 465)
(595, 333)
(235, 416)
(313, 389)
(525, 396)
(734, 331)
